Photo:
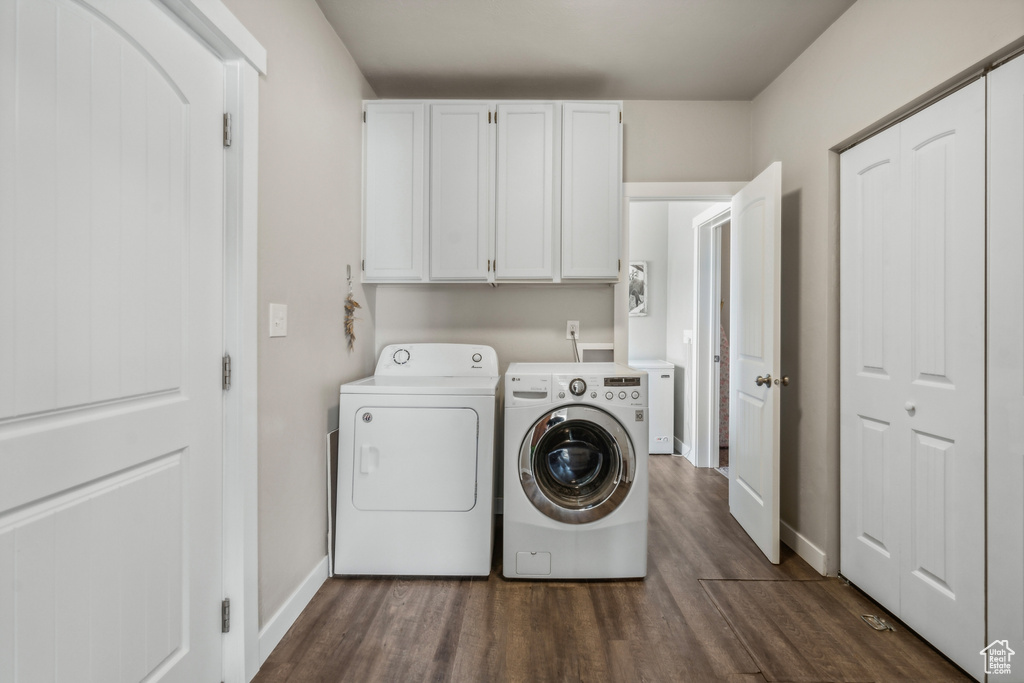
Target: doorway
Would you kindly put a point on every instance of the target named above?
(721, 388)
(661, 246)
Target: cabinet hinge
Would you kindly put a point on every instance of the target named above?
(620, 117)
(488, 117)
(620, 265)
(227, 130)
(225, 615)
(364, 117)
(362, 265)
(225, 382)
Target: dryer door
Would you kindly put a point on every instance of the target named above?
(408, 458)
(577, 464)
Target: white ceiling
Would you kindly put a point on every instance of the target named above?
(594, 49)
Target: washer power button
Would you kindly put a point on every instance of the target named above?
(477, 358)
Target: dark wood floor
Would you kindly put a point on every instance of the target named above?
(711, 609)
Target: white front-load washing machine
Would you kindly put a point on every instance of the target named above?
(576, 483)
(416, 463)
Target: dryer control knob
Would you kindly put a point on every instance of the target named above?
(636, 394)
(401, 356)
(561, 394)
(578, 387)
(609, 395)
(622, 394)
(477, 358)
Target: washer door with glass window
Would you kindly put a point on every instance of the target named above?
(577, 464)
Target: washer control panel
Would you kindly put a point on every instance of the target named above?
(601, 390)
(528, 384)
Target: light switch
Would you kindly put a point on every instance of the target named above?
(278, 320)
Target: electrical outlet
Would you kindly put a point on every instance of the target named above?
(572, 327)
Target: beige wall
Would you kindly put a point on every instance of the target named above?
(524, 323)
(309, 217)
(671, 141)
(876, 59)
(648, 241)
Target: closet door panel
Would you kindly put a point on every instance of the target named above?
(942, 589)
(872, 360)
(1006, 359)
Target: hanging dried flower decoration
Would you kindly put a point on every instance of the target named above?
(350, 316)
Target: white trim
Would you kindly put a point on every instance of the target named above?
(802, 546)
(681, 450)
(277, 626)
(241, 559)
(221, 30)
(244, 60)
(703, 391)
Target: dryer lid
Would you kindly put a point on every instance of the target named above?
(429, 386)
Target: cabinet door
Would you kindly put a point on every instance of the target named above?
(525, 194)
(461, 178)
(591, 190)
(394, 185)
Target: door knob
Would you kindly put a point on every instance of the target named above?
(784, 381)
(763, 381)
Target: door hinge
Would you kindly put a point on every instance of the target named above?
(364, 117)
(363, 264)
(227, 130)
(225, 615)
(225, 372)
(620, 265)
(620, 117)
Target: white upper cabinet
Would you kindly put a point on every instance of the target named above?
(461, 191)
(591, 189)
(395, 186)
(491, 191)
(527, 210)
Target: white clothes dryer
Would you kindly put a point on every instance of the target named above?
(416, 463)
(576, 483)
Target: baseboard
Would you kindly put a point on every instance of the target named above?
(681, 450)
(275, 628)
(812, 554)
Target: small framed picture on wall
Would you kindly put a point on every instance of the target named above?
(637, 288)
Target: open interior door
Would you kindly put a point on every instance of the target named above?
(754, 359)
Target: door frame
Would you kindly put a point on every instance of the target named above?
(245, 60)
(706, 287)
(668, 192)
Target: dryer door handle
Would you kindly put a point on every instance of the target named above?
(369, 459)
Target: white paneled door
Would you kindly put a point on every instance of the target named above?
(754, 359)
(111, 182)
(912, 371)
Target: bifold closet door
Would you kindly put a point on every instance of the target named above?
(912, 414)
(1006, 360)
